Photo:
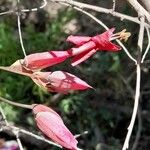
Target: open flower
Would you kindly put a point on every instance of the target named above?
(42, 60)
(59, 81)
(87, 46)
(51, 125)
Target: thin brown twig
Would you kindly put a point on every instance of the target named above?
(6, 12)
(104, 26)
(78, 135)
(15, 103)
(18, 12)
(138, 134)
(136, 102)
(14, 131)
(102, 10)
(146, 4)
(128, 86)
(19, 29)
(36, 8)
(19, 130)
(3, 115)
(91, 16)
(140, 9)
(138, 65)
(25, 10)
(148, 46)
(18, 139)
(87, 6)
(137, 110)
(141, 34)
(126, 51)
(114, 5)
(138, 85)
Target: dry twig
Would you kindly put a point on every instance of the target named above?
(79, 6)
(140, 9)
(101, 10)
(138, 85)
(148, 46)
(22, 131)
(14, 131)
(104, 26)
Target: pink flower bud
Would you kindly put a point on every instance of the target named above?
(51, 125)
(42, 108)
(59, 81)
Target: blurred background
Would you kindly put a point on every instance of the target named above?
(104, 111)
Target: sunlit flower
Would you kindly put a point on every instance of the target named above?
(37, 61)
(59, 81)
(86, 46)
(51, 125)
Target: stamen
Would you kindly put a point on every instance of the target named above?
(123, 35)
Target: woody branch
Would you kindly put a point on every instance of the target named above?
(139, 8)
(103, 25)
(138, 84)
(142, 23)
(86, 6)
(22, 132)
(14, 131)
(101, 10)
(18, 131)
(138, 61)
(146, 4)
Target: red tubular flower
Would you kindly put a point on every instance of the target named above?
(59, 81)
(87, 46)
(37, 61)
(51, 124)
(42, 60)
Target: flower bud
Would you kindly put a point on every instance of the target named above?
(51, 125)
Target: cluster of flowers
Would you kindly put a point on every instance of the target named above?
(48, 121)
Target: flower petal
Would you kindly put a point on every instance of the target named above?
(82, 57)
(42, 60)
(81, 49)
(103, 41)
(37, 108)
(53, 127)
(78, 40)
(59, 81)
(63, 81)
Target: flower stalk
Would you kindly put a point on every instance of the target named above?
(15, 103)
